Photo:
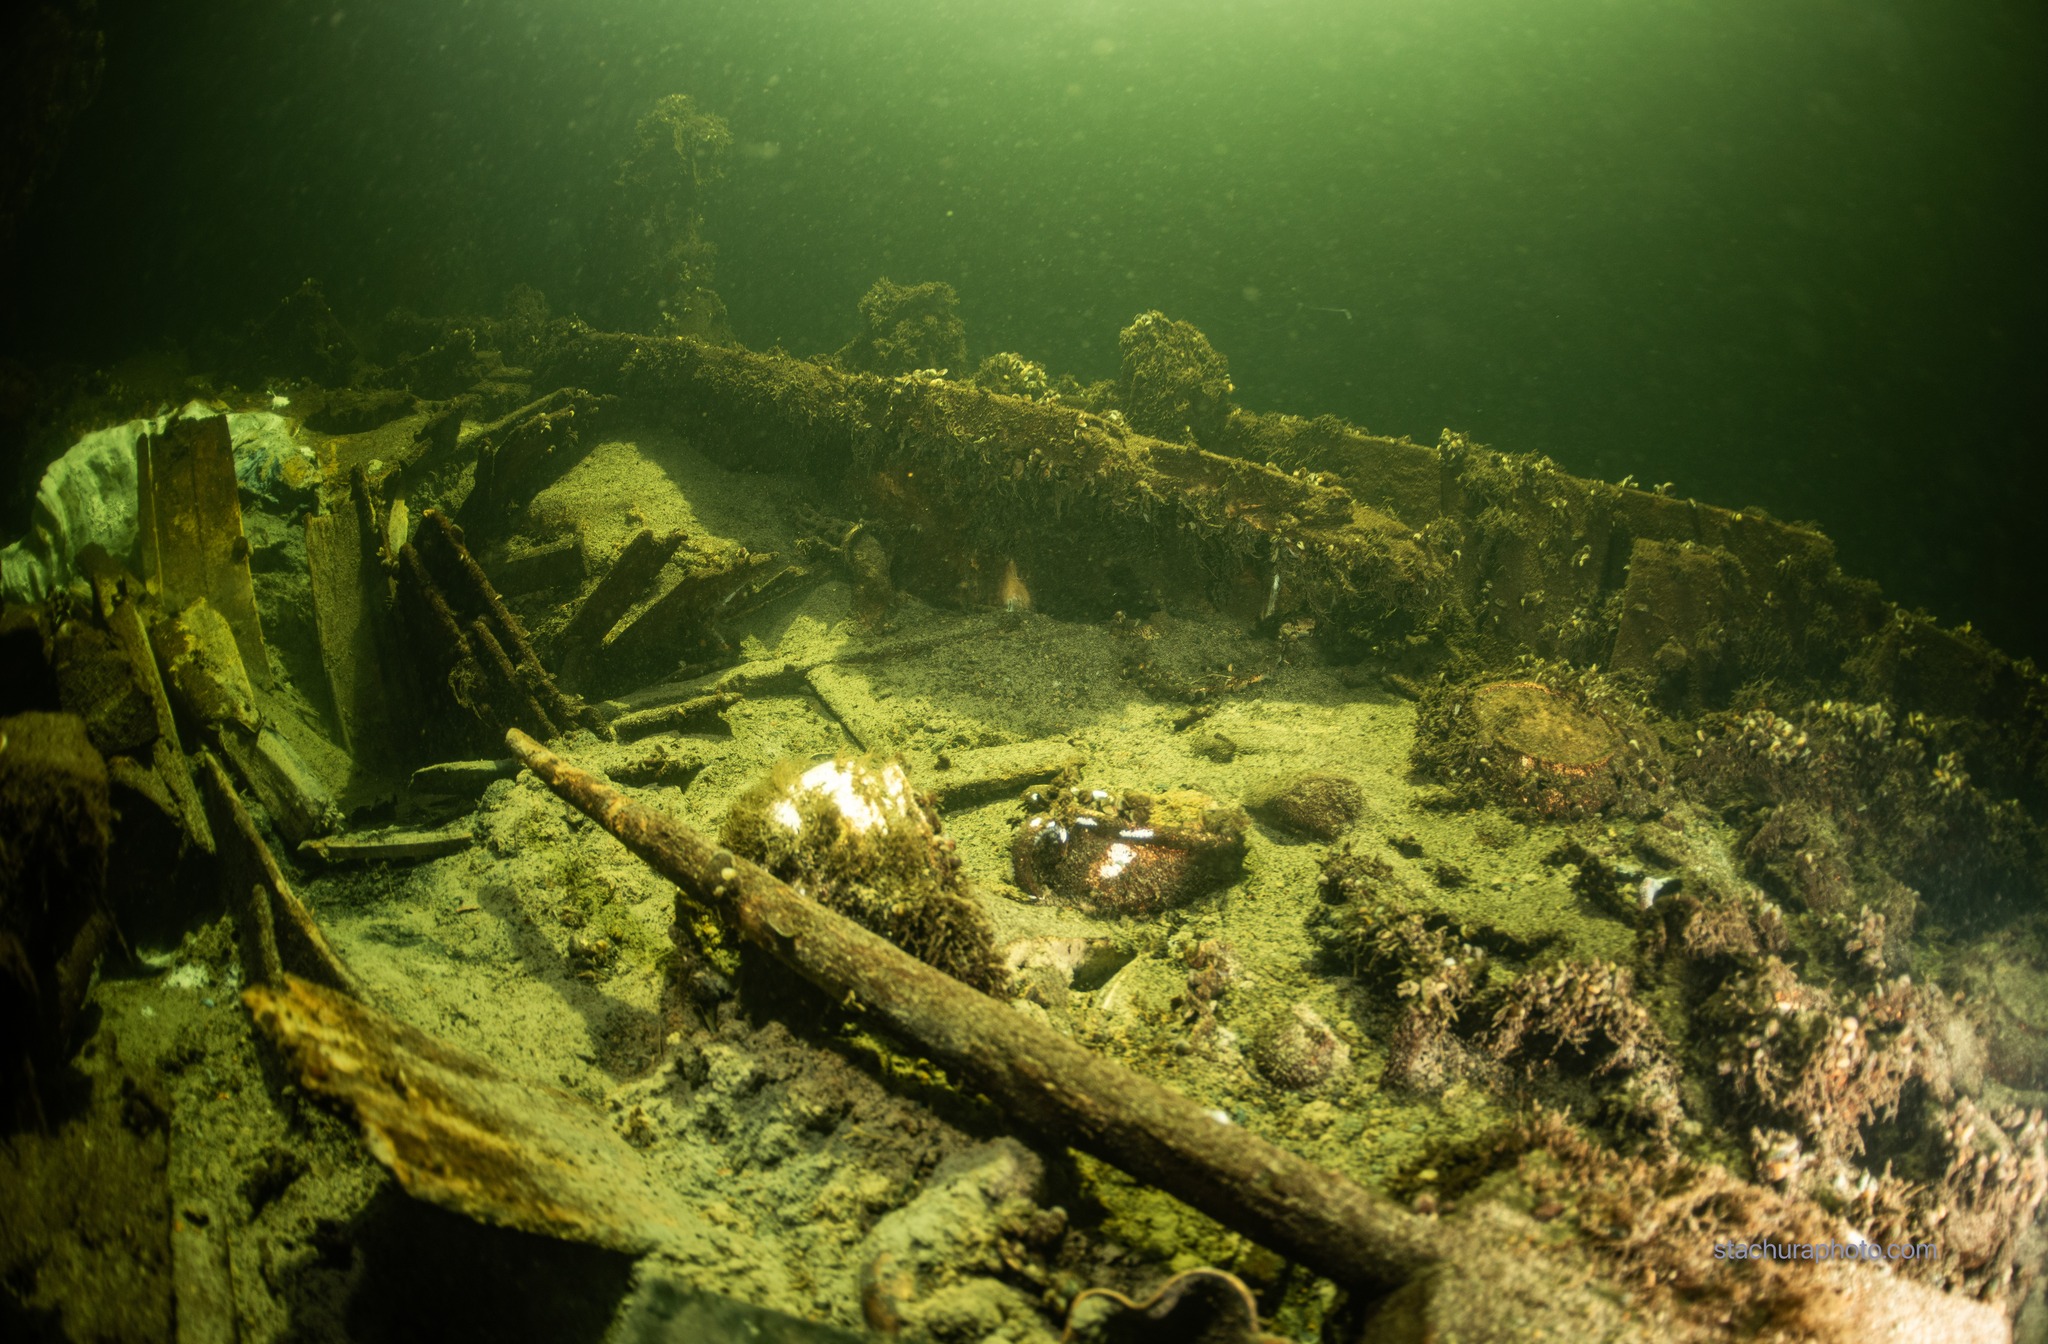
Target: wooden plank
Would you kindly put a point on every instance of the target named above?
(392, 846)
(352, 618)
(189, 526)
(555, 565)
(460, 1133)
(982, 774)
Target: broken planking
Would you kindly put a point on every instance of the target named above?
(699, 714)
(459, 1133)
(300, 804)
(458, 779)
(519, 455)
(678, 624)
(471, 652)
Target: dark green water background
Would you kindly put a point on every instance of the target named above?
(1779, 252)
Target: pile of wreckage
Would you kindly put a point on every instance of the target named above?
(151, 741)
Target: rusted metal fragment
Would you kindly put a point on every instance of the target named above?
(276, 927)
(189, 526)
(392, 846)
(460, 1133)
(624, 584)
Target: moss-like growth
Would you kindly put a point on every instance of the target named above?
(855, 837)
(1175, 386)
(1848, 805)
(1587, 1010)
(662, 280)
(905, 328)
(1368, 923)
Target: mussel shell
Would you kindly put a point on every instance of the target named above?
(1097, 861)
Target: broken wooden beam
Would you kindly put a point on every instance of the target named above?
(98, 681)
(979, 775)
(674, 625)
(299, 802)
(514, 695)
(466, 592)
(459, 779)
(557, 564)
(118, 593)
(1066, 1092)
(848, 696)
(520, 454)
(392, 846)
(196, 653)
(623, 585)
(459, 1132)
(277, 929)
(1393, 549)
(697, 714)
(762, 676)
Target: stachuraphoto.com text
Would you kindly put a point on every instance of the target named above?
(1892, 1251)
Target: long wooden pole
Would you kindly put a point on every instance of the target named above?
(1061, 1090)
